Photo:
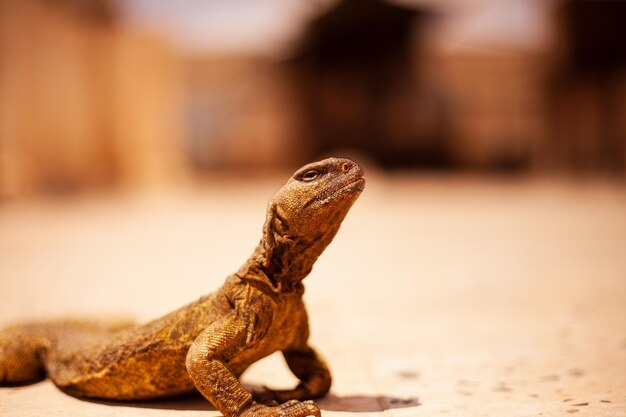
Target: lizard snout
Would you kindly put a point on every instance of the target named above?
(351, 168)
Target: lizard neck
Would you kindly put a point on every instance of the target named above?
(288, 263)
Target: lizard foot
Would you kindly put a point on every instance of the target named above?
(291, 408)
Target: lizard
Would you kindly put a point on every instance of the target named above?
(207, 344)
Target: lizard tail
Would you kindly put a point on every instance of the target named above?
(21, 355)
(25, 349)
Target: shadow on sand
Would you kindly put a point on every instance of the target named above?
(350, 403)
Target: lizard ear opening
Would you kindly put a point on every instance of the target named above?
(269, 240)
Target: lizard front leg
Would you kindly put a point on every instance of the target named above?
(310, 369)
(206, 367)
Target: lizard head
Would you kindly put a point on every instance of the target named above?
(305, 214)
(316, 198)
(302, 218)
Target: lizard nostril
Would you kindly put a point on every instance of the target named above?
(345, 167)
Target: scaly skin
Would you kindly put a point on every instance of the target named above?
(208, 344)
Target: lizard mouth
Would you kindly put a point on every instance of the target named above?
(352, 188)
(357, 183)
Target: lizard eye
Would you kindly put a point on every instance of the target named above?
(309, 175)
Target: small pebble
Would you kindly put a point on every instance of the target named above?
(502, 387)
(408, 374)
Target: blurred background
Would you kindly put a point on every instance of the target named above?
(105, 93)
(482, 271)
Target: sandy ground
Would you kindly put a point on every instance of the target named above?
(439, 296)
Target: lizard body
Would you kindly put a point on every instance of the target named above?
(209, 343)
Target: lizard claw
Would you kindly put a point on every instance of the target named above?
(295, 408)
(292, 408)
